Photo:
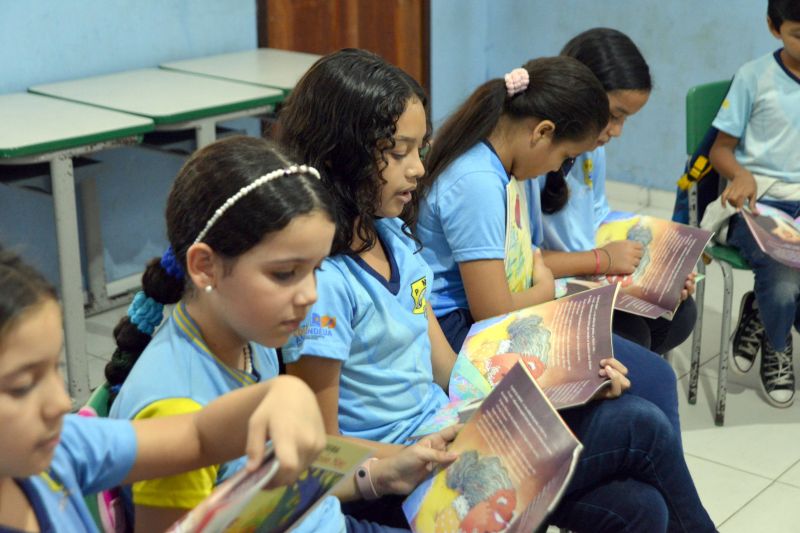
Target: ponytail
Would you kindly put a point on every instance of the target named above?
(162, 284)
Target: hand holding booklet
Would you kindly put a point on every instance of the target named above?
(671, 251)
(244, 504)
(560, 342)
(515, 458)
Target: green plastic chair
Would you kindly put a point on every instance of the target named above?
(702, 104)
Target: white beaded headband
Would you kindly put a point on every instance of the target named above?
(294, 169)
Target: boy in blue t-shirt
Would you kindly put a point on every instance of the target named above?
(758, 151)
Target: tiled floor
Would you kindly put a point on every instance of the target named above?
(747, 472)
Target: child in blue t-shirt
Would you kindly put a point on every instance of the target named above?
(574, 205)
(758, 150)
(247, 232)
(373, 351)
(49, 459)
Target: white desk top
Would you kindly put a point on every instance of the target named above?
(264, 66)
(162, 95)
(33, 124)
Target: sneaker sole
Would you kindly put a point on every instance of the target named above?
(769, 398)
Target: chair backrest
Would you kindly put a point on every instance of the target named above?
(702, 104)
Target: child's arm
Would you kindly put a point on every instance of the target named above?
(442, 355)
(487, 289)
(624, 258)
(322, 375)
(282, 409)
(742, 186)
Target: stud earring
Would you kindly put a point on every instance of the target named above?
(209, 288)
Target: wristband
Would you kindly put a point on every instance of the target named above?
(608, 254)
(596, 261)
(364, 481)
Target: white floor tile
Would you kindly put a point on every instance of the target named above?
(792, 476)
(101, 346)
(756, 438)
(775, 510)
(723, 490)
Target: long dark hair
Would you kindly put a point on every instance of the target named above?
(561, 89)
(340, 118)
(21, 288)
(619, 66)
(207, 179)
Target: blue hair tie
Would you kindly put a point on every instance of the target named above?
(145, 313)
(115, 389)
(170, 263)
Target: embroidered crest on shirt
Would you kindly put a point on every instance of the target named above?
(588, 167)
(319, 326)
(418, 295)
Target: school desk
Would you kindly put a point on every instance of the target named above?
(269, 67)
(37, 129)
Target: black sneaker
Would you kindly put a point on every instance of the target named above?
(746, 339)
(777, 374)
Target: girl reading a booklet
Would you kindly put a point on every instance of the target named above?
(511, 129)
(371, 348)
(49, 459)
(574, 205)
(248, 229)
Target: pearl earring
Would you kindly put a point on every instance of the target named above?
(209, 288)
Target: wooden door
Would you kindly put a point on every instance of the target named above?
(398, 30)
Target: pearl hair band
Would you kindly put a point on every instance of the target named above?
(244, 191)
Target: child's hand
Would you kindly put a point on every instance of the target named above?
(401, 473)
(741, 189)
(625, 256)
(290, 417)
(617, 373)
(689, 286)
(542, 275)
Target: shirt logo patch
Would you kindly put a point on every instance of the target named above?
(418, 295)
(319, 326)
(588, 167)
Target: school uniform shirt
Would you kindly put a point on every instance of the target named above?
(463, 218)
(378, 329)
(762, 109)
(573, 228)
(92, 455)
(177, 373)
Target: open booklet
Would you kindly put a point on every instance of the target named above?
(560, 342)
(515, 457)
(243, 504)
(671, 251)
(776, 233)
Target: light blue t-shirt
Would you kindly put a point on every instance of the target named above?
(463, 218)
(378, 329)
(92, 455)
(762, 109)
(573, 228)
(178, 373)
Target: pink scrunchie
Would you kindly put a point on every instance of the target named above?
(517, 81)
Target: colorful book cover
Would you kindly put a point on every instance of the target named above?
(671, 251)
(560, 343)
(776, 233)
(243, 505)
(518, 252)
(515, 457)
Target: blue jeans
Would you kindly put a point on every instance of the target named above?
(631, 475)
(658, 334)
(777, 286)
(652, 378)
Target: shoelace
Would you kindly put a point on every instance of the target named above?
(778, 369)
(750, 340)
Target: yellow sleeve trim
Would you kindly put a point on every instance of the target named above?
(183, 491)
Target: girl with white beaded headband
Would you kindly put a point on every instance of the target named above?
(248, 229)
